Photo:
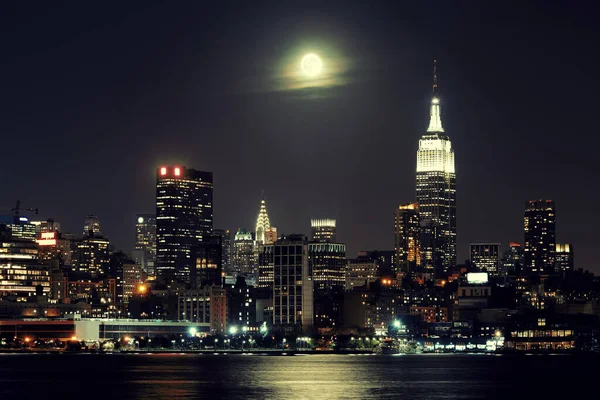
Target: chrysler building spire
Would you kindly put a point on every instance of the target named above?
(262, 222)
(435, 115)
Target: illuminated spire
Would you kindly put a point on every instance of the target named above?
(262, 222)
(435, 115)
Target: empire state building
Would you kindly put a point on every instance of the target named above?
(436, 192)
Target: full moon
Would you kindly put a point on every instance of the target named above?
(311, 65)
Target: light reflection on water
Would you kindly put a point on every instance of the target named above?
(161, 376)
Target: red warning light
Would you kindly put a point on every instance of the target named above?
(177, 171)
(163, 171)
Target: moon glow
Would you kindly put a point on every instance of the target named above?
(311, 65)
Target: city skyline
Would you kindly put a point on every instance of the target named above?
(505, 124)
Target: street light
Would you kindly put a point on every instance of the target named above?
(263, 328)
(233, 330)
(193, 331)
(397, 324)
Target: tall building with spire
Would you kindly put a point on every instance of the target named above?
(436, 191)
(262, 222)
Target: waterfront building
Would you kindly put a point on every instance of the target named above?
(205, 305)
(293, 285)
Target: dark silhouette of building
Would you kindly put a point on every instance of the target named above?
(407, 238)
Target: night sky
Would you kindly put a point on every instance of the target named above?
(95, 97)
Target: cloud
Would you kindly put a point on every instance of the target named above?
(287, 77)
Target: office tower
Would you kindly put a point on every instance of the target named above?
(145, 242)
(90, 256)
(128, 275)
(486, 257)
(564, 258)
(512, 259)
(244, 259)
(19, 227)
(436, 192)
(208, 267)
(292, 288)
(184, 217)
(540, 241)
(327, 262)
(323, 230)
(262, 223)
(21, 274)
(265, 267)
(407, 238)
(225, 236)
(271, 235)
(91, 227)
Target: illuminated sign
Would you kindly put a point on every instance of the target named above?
(163, 171)
(140, 220)
(477, 277)
(177, 171)
(47, 239)
(23, 219)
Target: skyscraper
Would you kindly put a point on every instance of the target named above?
(564, 258)
(145, 242)
(327, 262)
(486, 256)
(262, 223)
(244, 261)
(540, 241)
(436, 191)
(407, 237)
(208, 266)
(323, 230)
(91, 256)
(293, 286)
(512, 259)
(225, 236)
(184, 217)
